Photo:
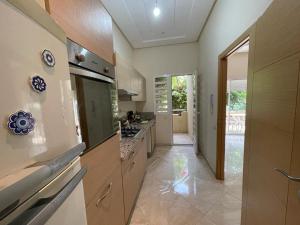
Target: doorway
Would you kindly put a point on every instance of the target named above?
(232, 112)
(237, 70)
(182, 109)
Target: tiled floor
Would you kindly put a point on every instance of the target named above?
(182, 139)
(180, 189)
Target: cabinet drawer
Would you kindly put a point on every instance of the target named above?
(107, 208)
(100, 162)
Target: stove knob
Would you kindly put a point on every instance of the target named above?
(106, 70)
(80, 57)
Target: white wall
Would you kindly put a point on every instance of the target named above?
(124, 49)
(229, 19)
(121, 44)
(172, 59)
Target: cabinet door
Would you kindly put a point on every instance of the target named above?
(85, 22)
(107, 208)
(141, 158)
(108, 153)
(139, 87)
(131, 186)
(153, 134)
(123, 71)
(133, 175)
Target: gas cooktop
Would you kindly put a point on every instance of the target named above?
(129, 131)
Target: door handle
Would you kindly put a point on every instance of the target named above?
(105, 195)
(295, 179)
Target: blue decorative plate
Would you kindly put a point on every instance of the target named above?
(48, 58)
(38, 84)
(21, 123)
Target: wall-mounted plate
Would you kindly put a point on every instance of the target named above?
(21, 123)
(38, 84)
(48, 58)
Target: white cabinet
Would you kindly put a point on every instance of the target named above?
(138, 84)
(123, 73)
(130, 79)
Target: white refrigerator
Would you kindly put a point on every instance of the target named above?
(37, 118)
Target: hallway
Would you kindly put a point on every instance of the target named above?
(180, 189)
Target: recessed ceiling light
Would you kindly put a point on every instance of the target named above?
(156, 10)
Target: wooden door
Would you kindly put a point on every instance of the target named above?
(272, 127)
(269, 197)
(293, 207)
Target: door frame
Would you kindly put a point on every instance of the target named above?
(247, 36)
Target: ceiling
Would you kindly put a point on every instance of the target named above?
(180, 21)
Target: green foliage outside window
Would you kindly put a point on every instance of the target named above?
(179, 92)
(238, 100)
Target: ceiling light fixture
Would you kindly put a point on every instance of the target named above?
(156, 10)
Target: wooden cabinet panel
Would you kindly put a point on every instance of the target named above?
(100, 162)
(107, 208)
(130, 186)
(277, 33)
(85, 22)
(133, 174)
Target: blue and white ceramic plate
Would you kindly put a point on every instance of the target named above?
(21, 123)
(48, 58)
(38, 84)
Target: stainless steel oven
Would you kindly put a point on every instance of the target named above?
(95, 95)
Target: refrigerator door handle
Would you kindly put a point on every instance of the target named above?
(44, 214)
(14, 195)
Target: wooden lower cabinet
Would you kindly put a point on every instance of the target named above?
(107, 207)
(102, 184)
(133, 174)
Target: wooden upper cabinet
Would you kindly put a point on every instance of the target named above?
(85, 22)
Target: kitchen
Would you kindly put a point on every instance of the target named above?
(86, 133)
(66, 161)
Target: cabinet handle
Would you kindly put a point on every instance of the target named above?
(295, 179)
(109, 188)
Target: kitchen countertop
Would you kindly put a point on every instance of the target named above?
(127, 145)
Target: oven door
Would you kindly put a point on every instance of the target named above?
(95, 103)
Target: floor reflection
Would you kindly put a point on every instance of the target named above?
(180, 189)
(234, 154)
